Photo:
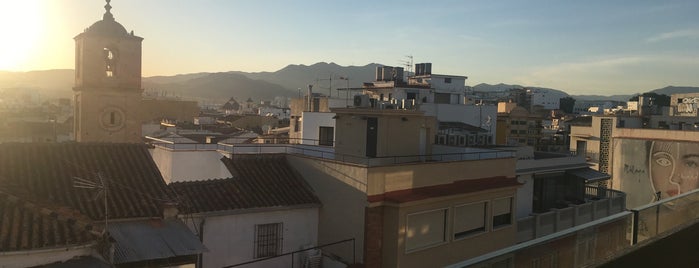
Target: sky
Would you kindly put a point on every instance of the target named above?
(582, 47)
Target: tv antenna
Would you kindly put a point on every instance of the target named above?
(101, 186)
(408, 63)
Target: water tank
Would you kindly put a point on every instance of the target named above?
(387, 73)
(419, 68)
(427, 69)
(398, 73)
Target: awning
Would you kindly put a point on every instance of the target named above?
(589, 175)
(152, 239)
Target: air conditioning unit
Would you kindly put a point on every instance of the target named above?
(361, 101)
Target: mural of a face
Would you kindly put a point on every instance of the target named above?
(674, 167)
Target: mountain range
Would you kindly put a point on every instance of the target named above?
(289, 81)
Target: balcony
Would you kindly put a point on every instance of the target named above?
(599, 203)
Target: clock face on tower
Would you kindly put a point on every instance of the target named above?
(112, 119)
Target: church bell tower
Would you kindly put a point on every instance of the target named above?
(107, 83)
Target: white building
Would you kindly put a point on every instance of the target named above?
(265, 210)
(548, 99)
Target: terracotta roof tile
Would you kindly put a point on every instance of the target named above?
(44, 173)
(27, 226)
(259, 181)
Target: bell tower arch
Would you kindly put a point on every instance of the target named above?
(107, 89)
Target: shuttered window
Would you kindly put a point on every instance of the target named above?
(469, 219)
(426, 229)
(502, 212)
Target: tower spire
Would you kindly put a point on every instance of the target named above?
(108, 15)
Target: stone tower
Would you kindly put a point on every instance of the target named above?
(107, 83)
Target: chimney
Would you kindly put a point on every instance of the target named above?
(170, 210)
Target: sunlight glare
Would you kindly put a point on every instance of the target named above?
(20, 24)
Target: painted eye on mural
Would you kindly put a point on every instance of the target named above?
(662, 159)
(691, 164)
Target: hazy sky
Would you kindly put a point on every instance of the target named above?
(583, 47)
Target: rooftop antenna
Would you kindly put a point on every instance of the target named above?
(101, 186)
(408, 63)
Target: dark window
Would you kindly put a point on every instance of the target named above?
(447, 80)
(442, 98)
(326, 135)
(316, 105)
(268, 240)
(412, 95)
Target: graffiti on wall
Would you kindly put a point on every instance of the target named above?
(649, 171)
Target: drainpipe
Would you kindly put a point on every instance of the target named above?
(200, 257)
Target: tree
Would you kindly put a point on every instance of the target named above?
(567, 104)
(658, 99)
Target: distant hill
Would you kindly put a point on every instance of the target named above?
(504, 87)
(218, 86)
(50, 83)
(259, 85)
(293, 77)
(600, 97)
(676, 90)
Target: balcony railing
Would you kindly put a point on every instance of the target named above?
(615, 235)
(329, 153)
(599, 203)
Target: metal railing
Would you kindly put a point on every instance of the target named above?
(300, 255)
(329, 153)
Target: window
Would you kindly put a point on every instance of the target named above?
(425, 229)
(442, 98)
(110, 59)
(447, 80)
(502, 212)
(268, 240)
(326, 135)
(469, 219)
(297, 126)
(514, 131)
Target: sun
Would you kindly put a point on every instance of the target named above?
(21, 24)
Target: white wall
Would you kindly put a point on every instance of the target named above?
(525, 196)
(476, 115)
(548, 99)
(310, 124)
(188, 165)
(457, 85)
(231, 238)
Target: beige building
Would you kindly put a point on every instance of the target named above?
(107, 83)
(517, 127)
(404, 203)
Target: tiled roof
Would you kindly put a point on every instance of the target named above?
(44, 174)
(26, 226)
(260, 181)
